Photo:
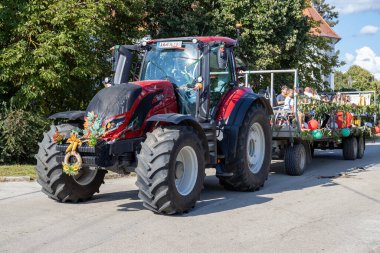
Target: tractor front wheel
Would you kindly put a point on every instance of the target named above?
(170, 169)
(55, 183)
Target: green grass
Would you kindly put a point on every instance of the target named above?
(18, 170)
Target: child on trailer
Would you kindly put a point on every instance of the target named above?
(289, 100)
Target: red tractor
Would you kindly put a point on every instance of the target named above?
(186, 113)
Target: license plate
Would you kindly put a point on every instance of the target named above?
(169, 44)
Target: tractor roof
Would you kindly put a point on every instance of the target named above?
(205, 39)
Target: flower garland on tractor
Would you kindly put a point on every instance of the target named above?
(321, 108)
(92, 131)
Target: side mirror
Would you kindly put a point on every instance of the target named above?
(123, 65)
(222, 57)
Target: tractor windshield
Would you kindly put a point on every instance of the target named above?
(178, 63)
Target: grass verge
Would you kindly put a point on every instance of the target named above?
(18, 170)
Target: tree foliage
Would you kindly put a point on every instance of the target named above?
(53, 53)
(327, 11)
(177, 18)
(273, 31)
(19, 130)
(355, 78)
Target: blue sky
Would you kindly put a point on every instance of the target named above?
(359, 27)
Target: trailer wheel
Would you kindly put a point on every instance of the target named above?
(350, 148)
(361, 147)
(170, 170)
(254, 153)
(58, 185)
(295, 160)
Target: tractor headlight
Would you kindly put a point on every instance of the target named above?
(114, 124)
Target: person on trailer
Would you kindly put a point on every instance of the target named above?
(289, 100)
(281, 97)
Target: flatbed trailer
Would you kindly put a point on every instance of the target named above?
(292, 144)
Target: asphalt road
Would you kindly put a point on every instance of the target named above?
(333, 207)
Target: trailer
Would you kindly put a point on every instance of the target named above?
(294, 144)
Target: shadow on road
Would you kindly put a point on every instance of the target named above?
(325, 167)
(113, 196)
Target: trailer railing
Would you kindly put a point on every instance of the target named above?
(272, 73)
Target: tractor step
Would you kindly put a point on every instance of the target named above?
(210, 132)
(224, 174)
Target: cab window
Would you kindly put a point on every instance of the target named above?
(220, 77)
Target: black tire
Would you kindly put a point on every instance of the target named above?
(157, 165)
(361, 147)
(243, 178)
(312, 149)
(55, 183)
(295, 159)
(350, 148)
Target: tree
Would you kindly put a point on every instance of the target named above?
(318, 58)
(355, 78)
(340, 81)
(176, 18)
(327, 11)
(272, 33)
(54, 53)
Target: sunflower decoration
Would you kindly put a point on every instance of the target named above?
(72, 168)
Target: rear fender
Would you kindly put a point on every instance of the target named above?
(187, 120)
(228, 145)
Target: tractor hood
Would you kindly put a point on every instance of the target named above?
(114, 100)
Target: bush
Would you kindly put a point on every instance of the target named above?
(20, 132)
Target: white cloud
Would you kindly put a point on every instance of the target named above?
(352, 6)
(369, 29)
(367, 59)
(349, 58)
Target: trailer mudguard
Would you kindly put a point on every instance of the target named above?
(228, 144)
(70, 115)
(188, 120)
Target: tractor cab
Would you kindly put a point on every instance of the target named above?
(201, 69)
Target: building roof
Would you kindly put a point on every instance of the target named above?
(324, 28)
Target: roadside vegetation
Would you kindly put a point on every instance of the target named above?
(18, 170)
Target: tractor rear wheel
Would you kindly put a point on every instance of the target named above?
(350, 148)
(254, 153)
(170, 169)
(55, 183)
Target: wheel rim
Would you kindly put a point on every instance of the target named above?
(255, 147)
(186, 170)
(86, 175)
